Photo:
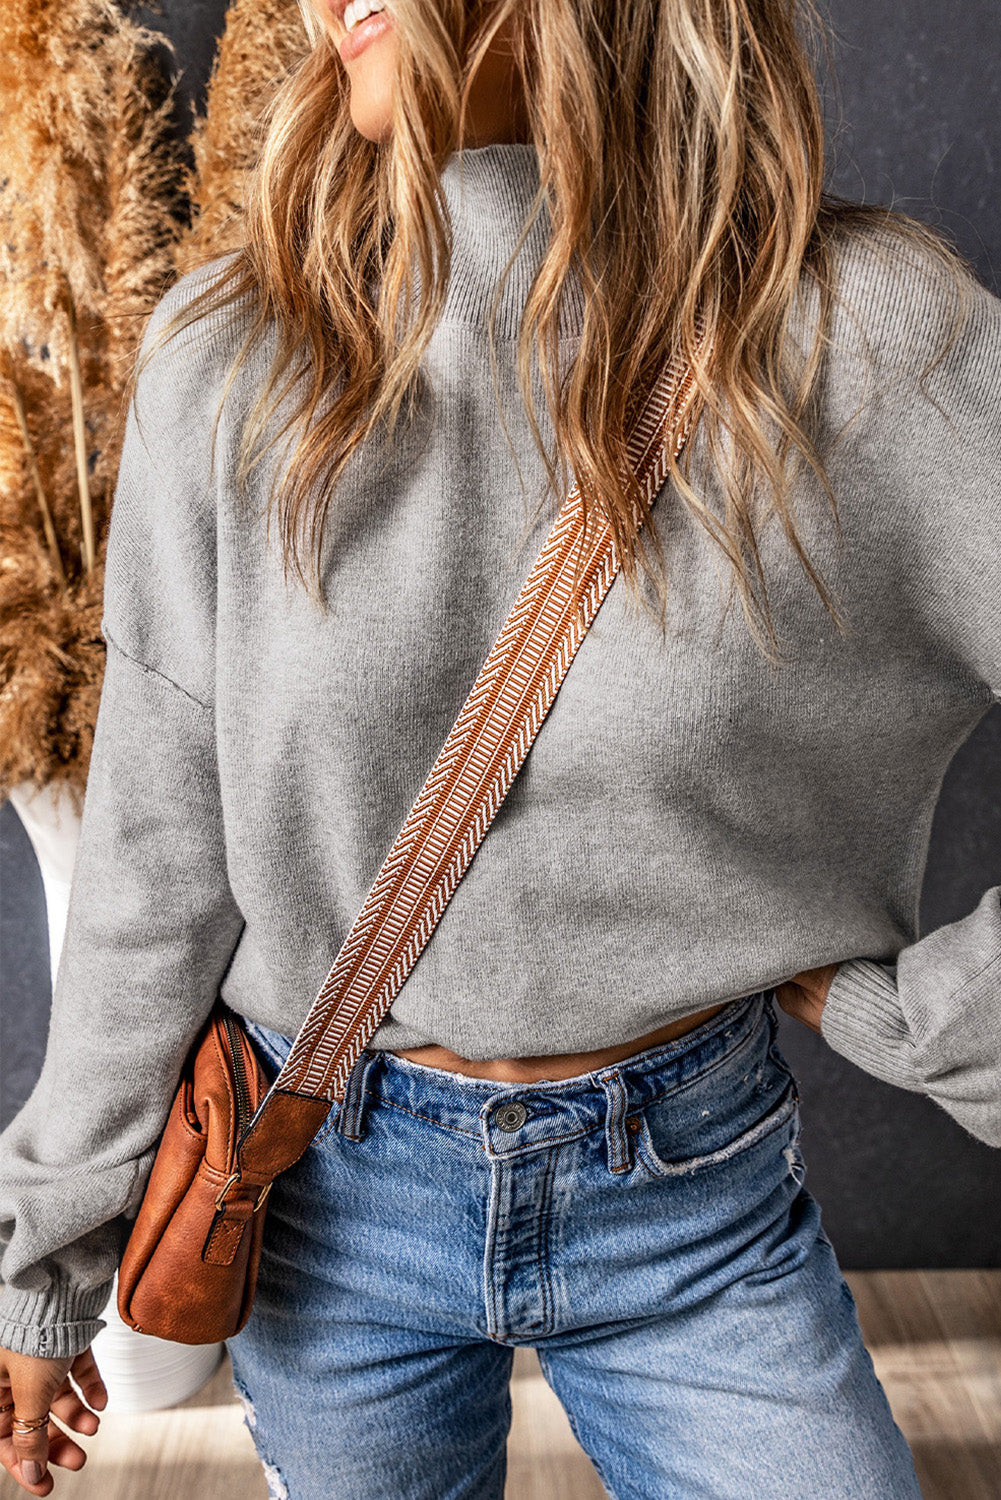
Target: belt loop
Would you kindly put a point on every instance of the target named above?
(618, 1146)
(351, 1115)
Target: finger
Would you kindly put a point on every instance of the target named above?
(7, 1454)
(796, 1003)
(31, 1449)
(64, 1452)
(789, 996)
(88, 1377)
(31, 1397)
(10, 1462)
(73, 1412)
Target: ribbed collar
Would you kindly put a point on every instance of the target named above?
(488, 191)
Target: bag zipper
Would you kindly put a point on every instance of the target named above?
(242, 1106)
(239, 1074)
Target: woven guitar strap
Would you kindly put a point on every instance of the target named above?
(472, 775)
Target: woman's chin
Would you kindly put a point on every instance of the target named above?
(371, 118)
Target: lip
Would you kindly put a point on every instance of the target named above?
(352, 43)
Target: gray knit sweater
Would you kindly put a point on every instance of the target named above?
(691, 824)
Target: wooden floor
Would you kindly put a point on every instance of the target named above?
(935, 1339)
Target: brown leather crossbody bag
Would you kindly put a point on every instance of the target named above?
(189, 1269)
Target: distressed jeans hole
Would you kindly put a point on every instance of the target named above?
(797, 1166)
(277, 1488)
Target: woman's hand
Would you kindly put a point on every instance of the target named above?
(804, 995)
(37, 1385)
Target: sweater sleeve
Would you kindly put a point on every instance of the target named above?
(152, 922)
(930, 1021)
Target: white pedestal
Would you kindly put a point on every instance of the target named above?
(53, 827)
(144, 1373)
(141, 1373)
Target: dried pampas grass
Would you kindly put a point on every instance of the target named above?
(263, 39)
(90, 192)
(93, 198)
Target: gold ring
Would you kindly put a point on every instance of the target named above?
(8, 1407)
(22, 1426)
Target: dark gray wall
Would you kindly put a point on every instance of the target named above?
(914, 116)
(914, 107)
(914, 104)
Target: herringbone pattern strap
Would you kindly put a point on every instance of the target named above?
(478, 762)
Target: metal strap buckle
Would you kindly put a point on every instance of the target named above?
(220, 1199)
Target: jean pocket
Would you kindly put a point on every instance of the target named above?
(751, 1101)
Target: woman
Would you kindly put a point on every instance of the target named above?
(574, 1129)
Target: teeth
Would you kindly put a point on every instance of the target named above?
(359, 9)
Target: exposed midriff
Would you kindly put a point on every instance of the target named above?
(556, 1065)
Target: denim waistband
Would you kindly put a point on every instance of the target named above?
(550, 1108)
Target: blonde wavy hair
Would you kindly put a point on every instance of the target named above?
(701, 209)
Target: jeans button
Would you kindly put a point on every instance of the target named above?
(511, 1116)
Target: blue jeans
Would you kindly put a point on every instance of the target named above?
(644, 1227)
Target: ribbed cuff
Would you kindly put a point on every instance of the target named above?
(863, 1021)
(55, 1323)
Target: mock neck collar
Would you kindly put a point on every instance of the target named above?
(488, 191)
